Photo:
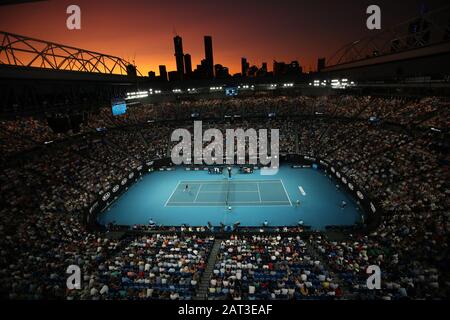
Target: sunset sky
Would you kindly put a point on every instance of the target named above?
(260, 30)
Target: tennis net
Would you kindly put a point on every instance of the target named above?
(228, 192)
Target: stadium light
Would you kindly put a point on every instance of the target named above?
(136, 95)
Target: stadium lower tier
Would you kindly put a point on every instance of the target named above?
(279, 266)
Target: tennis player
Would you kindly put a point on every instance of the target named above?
(229, 172)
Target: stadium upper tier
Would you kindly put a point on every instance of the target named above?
(394, 156)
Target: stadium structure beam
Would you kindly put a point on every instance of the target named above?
(427, 29)
(22, 51)
(13, 2)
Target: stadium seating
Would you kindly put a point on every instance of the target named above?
(46, 187)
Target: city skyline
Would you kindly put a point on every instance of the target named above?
(145, 31)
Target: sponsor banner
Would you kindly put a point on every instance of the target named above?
(301, 166)
(325, 164)
(106, 196)
(94, 206)
(310, 159)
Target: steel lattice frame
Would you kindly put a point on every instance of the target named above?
(22, 51)
(434, 29)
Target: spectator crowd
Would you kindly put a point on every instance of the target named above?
(396, 149)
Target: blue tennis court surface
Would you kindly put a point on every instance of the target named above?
(229, 193)
(254, 198)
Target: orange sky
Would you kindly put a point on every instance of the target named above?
(260, 30)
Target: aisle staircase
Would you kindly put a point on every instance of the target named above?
(202, 291)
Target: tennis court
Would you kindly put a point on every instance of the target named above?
(257, 193)
(254, 198)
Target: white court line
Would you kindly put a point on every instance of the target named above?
(302, 191)
(259, 193)
(287, 194)
(232, 181)
(198, 191)
(221, 205)
(237, 191)
(176, 188)
(243, 202)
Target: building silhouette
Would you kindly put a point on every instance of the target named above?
(282, 69)
(209, 59)
(320, 64)
(131, 70)
(264, 67)
(179, 56)
(163, 73)
(221, 71)
(252, 71)
(279, 68)
(294, 68)
(173, 76)
(244, 67)
(188, 64)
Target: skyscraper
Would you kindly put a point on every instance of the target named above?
(188, 64)
(163, 73)
(179, 56)
(209, 57)
(279, 68)
(244, 66)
